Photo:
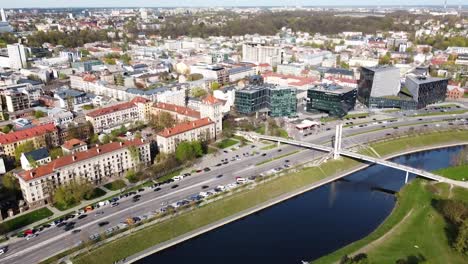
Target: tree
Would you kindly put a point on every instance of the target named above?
(215, 86)
(38, 114)
(6, 129)
(385, 60)
(188, 151)
(10, 183)
(72, 193)
(198, 92)
(161, 121)
(131, 176)
(56, 153)
(23, 148)
(125, 59)
(134, 154)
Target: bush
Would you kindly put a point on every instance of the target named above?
(95, 193)
(131, 176)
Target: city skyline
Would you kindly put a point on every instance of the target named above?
(211, 3)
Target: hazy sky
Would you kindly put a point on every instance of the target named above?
(166, 3)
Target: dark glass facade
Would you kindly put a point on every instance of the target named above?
(427, 90)
(276, 101)
(336, 101)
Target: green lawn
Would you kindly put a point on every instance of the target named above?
(459, 173)
(115, 185)
(421, 140)
(25, 219)
(417, 229)
(226, 143)
(443, 113)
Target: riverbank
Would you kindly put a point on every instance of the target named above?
(201, 219)
(415, 230)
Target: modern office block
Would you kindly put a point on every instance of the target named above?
(276, 101)
(378, 82)
(333, 99)
(17, 56)
(426, 90)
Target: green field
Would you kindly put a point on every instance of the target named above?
(271, 146)
(115, 185)
(459, 173)
(443, 113)
(25, 219)
(421, 140)
(415, 229)
(226, 143)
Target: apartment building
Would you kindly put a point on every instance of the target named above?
(16, 101)
(169, 138)
(120, 114)
(40, 136)
(179, 113)
(260, 53)
(95, 165)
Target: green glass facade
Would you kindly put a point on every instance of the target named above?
(335, 100)
(276, 101)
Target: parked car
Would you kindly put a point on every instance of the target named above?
(240, 180)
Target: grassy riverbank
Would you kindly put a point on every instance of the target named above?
(409, 142)
(459, 173)
(203, 216)
(414, 230)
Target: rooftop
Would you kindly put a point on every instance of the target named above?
(182, 110)
(424, 79)
(37, 154)
(26, 133)
(77, 157)
(72, 143)
(184, 127)
(111, 109)
(332, 88)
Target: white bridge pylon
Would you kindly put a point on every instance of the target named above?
(337, 145)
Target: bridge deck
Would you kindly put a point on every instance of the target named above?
(421, 173)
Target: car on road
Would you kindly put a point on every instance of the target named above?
(3, 250)
(30, 236)
(82, 216)
(198, 171)
(94, 237)
(69, 227)
(279, 150)
(103, 223)
(99, 213)
(174, 186)
(178, 178)
(76, 231)
(141, 189)
(206, 169)
(157, 189)
(114, 204)
(264, 154)
(205, 187)
(240, 180)
(219, 176)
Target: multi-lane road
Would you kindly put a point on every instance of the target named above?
(53, 240)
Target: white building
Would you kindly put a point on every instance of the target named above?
(96, 165)
(114, 116)
(259, 53)
(17, 56)
(169, 138)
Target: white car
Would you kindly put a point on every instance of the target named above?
(203, 194)
(28, 237)
(178, 178)
(3, 250)
(241, 180)
(220, 188)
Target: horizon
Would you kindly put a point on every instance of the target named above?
(45, 4)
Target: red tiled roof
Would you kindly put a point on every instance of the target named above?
(182, 110)
(111, 109)
(139, 99)
(27, 133)
(210, 99)
(70, 144)
(184, 127)
(79, 156)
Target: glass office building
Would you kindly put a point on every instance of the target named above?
(334, 99)
(426, 90)
(276, 101)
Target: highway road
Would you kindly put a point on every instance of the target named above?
(55, 239)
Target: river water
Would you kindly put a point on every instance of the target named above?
(308, 226)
